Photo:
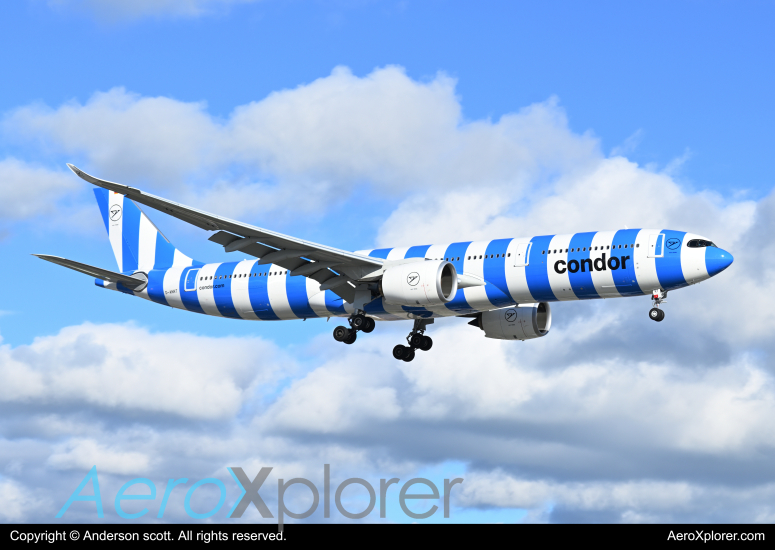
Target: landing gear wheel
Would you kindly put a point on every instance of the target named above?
(358, 322)
(426, 344)
(341, 333)
(416, 340)
(656, 314)
(351, 339)
(409, 355)
(370, 324)
(399, 352)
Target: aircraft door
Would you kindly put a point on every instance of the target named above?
(191, 278)
(657, 246)
(521, 254)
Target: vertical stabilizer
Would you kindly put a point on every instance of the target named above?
(136, 242)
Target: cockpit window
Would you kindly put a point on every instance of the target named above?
(700, 243)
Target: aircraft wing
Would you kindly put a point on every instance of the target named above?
(133, 282)
(299, 256)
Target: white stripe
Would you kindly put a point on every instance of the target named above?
(317, 298)
(240, 289)
(147, 245)
(476, 296)
(205, 295)
(115, 228)
(645, 267)
(172, 287)
(560, 282)
(516, 278)
(278, 295)
(693, 261)
(604, 280)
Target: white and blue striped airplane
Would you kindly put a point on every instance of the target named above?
(505, 285)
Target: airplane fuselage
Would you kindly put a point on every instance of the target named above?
(549, 268)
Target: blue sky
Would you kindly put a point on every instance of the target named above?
(372, 123)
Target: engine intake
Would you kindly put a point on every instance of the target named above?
(428, 283)
(523, 322)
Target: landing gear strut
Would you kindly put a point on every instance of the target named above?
(358, 321)
(657, 297)
(416, 340)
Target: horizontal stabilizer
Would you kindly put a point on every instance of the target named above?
(136, 282)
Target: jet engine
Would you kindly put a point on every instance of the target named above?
(523, 322)
(428, 283)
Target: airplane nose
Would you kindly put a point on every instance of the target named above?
(717, 260)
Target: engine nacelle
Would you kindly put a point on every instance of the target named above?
(428, 283)
(522, 322)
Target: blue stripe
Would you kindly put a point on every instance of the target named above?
(296, 290)
(494, 271)
(189, 298)
(258, 293)
(581, 281)
(102, 201)
(453, 252)
(121, 288)
(130, 234)
(222, 295)
(624, 277)
(377, 307)
(165, 253)
(669, 270)
(380, 253)
(334, 303)
(536, 270)
(156, 286)
(417, 251)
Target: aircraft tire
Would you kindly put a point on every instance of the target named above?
(341, 333)
(370, 324)
(427, 343)
(399, 352)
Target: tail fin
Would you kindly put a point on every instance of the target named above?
(136, 241)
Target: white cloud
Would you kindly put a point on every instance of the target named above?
(82, 454)
(122, 367)
(17, 502)
(27, 190)
(307, 148)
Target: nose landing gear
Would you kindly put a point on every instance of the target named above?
(416, 340)
(657, 297)
(358, 321)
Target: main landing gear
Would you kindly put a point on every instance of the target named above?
(357, 322)
(657, 297)
(416, 340)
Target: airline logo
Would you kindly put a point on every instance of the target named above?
(413, 278)
(587, 264)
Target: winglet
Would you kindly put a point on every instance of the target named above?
(112, 186)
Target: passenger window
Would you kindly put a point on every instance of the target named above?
(543, 252)
(625, 246)
(480, 256)
(509, 255)
(638, 245)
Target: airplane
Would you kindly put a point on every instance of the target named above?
(505, 286)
